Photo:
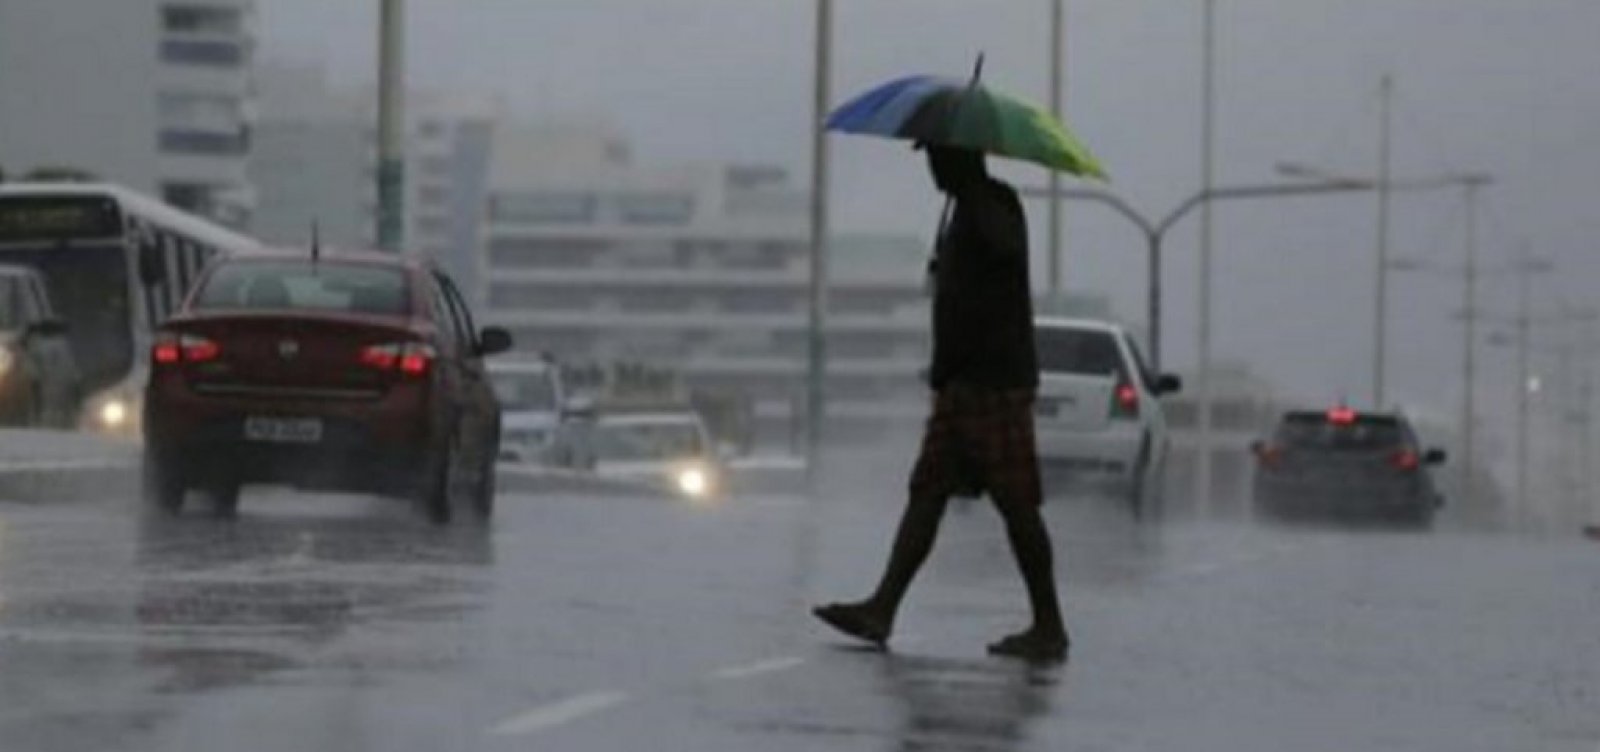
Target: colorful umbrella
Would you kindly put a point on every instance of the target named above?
(952, 113)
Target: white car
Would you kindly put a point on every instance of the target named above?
(532, 401)
(669, 451)
(1098, 417)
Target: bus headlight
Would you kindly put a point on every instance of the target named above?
(113, 413)
(693, 482)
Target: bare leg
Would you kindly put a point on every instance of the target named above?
(1030, 543)
(919, 526)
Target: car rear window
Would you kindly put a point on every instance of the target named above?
(1316, 431)
(304, 286)
(1077, 351)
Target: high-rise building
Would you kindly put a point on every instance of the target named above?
(153, 94)
(316, 159)
(699, 269)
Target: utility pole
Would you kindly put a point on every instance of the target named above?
(391, 125)
(1207, 180)
(816, 362)
(1469, 338)
(1057, 58)
(1380, 324)
(1524, 334)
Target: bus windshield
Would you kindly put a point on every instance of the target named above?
(88, 286)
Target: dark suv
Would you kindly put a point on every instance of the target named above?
(1349, 464)
(349, 373)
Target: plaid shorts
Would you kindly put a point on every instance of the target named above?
(979, 440)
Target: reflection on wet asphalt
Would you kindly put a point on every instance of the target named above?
(599, 623)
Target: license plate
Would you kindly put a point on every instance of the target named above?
(283, 430)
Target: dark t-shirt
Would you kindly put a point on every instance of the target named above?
(983, 304)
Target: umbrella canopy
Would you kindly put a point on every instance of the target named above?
(947, 112)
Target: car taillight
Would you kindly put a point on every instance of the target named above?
(188, 348)
(1269, 455)
(1405, 460)
(1125, 402)
(409, 358)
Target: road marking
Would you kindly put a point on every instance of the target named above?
(34, 466)
(557, 713)
(756, 669)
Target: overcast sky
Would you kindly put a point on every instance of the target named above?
(1504, 86)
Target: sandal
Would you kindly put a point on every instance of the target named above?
(1032, 647)
(853, 620)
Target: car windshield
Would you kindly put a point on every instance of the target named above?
(306, 286)
(629, 441)
(88, 287)
(533, 391)
(1364, 433)
(12, 290)
(1077, 351)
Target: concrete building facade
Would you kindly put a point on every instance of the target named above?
(157, 95)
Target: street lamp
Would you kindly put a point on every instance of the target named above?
(391, 125)
(816, 361)
(1154, 232)
(1384, 264)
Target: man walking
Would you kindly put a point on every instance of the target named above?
(979, 436)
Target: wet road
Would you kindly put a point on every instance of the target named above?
(627, 623)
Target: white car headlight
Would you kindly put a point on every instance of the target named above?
(693, 482)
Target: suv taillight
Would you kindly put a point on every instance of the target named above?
(172, 349)
(408, 358)
(1269, 455)
(1405, 460)
(1125, 402)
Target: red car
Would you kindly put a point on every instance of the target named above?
(352, 372)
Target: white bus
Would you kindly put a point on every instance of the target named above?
(115, 263)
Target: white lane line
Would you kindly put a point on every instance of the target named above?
(557, 713)
(758, 668)
(31, 466)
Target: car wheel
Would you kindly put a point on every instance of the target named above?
(163, 484)
(1137, 491)
(225, 499)
(483, 491)
(440, 480)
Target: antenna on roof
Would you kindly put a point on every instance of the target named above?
(316, 243)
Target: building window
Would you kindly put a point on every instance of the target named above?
(657, 301)
(210, 53)
(552, 253)
(204, 19)
(195, 198)
(432, 195)
(758, 301)
(197, 111)
(540, 208)
(656, 208)
(433, 225)
(203, 143)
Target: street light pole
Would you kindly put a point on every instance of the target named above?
(1469, 337)
(1057, 56)
(816, 360)
(1380, 321)
(1207, 178)
(391, 125)
(1524, 334)
(1155, 231)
